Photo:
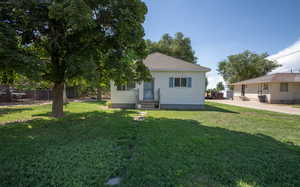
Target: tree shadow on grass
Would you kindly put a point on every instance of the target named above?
(206, 108)
(88, 148)
(217, 109)
(5, 111)
(95, 102)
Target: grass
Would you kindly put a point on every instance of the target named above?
(297, 106)
(221, 145)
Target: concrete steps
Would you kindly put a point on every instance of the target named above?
(148, 105)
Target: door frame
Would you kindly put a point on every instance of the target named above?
(152, 90)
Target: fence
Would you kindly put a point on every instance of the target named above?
(8, 94)
(11, 95)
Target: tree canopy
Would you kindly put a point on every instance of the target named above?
(69, 36)
(220, 86)
(178, 46)
(245, 66)
(13, 58)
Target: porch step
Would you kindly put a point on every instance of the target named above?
(148, 105)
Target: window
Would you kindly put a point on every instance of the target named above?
(177, 82)
(180, 82)
(128, 86)
(284, 87)
(183, 82)
(121, 87)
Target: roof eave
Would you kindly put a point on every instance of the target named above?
(187, 70)
(261, 82)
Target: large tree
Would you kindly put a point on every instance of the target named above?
(9, 54)
(14, 60)
(178, 46)
(73, 34)
(245, 66)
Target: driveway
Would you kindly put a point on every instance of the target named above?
(288, 109)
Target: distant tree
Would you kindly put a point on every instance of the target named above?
(220, 86)
(211, 90)
(74, 34)
(206, 83)
(245, 66)
(98, 78)
(179, 47)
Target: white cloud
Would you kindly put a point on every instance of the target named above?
(289, 58)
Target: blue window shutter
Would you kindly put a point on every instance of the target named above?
(189, 82)
(171, 82)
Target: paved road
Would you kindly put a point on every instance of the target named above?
(288, 109)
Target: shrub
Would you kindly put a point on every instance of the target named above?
(109, 104)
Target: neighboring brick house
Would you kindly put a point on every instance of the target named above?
(278, 88)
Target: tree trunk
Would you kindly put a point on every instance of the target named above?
(99, 94)
(58, 100)
(8, 94)
(65, 95)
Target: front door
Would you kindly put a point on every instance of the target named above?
(243, 90)
(149, 90)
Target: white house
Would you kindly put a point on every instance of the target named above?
(176, 84)
(274, 88)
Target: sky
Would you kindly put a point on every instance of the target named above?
(219, 28)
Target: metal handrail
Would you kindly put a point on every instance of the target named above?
(137, 95)
(158, 97)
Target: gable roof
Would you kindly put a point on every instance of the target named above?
(277, 77)
(160, 62)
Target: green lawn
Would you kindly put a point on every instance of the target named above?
(221, 145)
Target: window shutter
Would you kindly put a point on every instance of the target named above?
(189, 82)
(171, 82)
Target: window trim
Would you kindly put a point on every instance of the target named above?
(188, 82)
(126, 87)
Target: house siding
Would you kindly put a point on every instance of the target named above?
(237, 91)
(290, 97)
(251, 92)
(193, 95)
(122, 97)
(168, 96)
(274, 95)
